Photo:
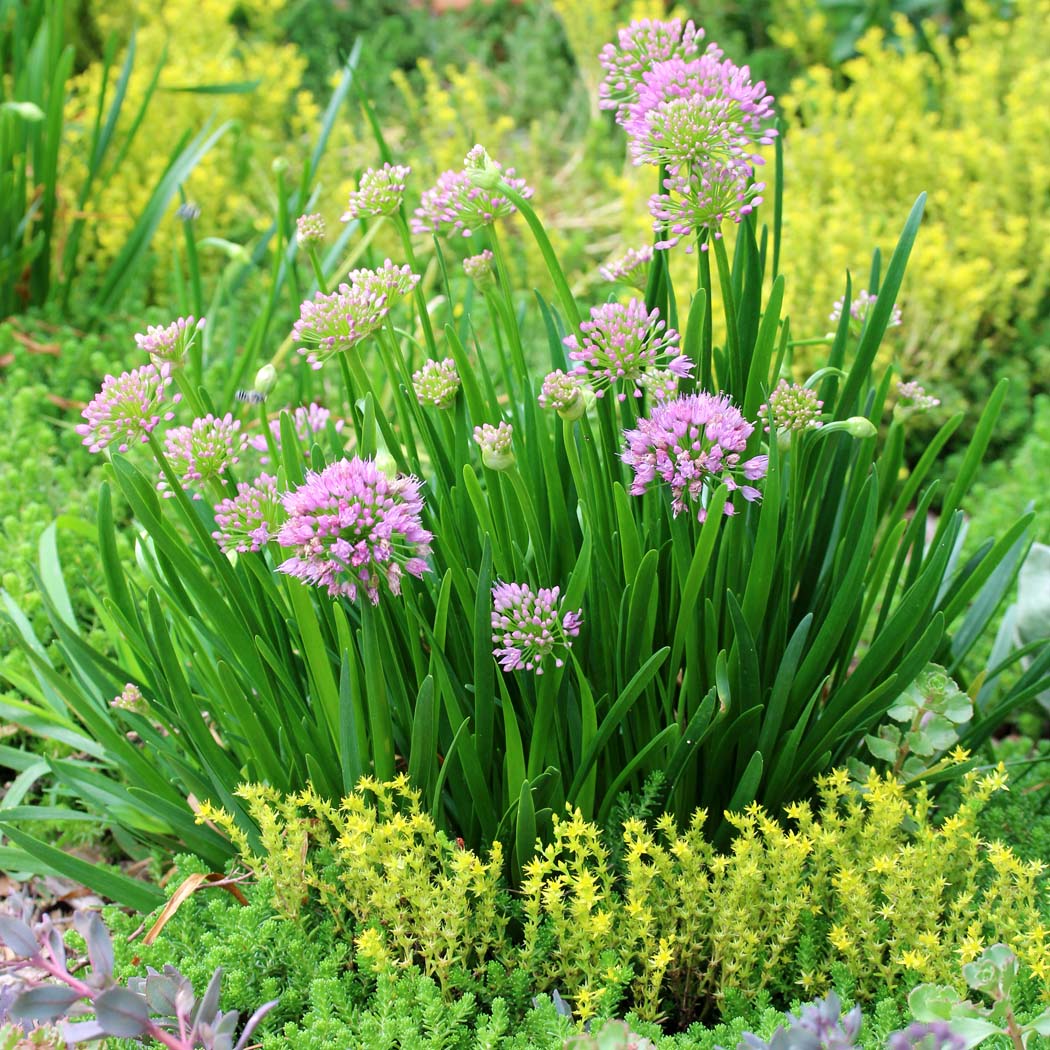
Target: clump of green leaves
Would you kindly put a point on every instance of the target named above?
(929, 713)
(992, 975)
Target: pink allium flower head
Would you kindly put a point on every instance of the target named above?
(913, 397)
(128, 408)
(703, 202)
(692, 113)
(380, 191)
(638, 48)
(310, 229)
(528, 627)
(203, 450)
(792, 406)
(496, 444)
(352, 528)
(694, 443)
(627, 346)
(480, 267)
(168, 344)
(336, 323)
(564, 394)
(632, 268)
(458, 205)
(859, 310)
(131, 700)
(307, 420)
(389, 282)
(437, 383)
(249, 520)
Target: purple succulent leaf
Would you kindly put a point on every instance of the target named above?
(54, 941)
(77, 1032)
(99, 945)
(208, 1007)
(45, 1003)
(160, 991)
(18, 937)
(124, 1014)
(253, 1023)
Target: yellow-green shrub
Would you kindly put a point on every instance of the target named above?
(417, 897)
(971, 126)
(201, 46)
(866, 885)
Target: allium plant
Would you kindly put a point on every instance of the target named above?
(458, 205)
(694, 444)
(741, 615)
(628, 346)
(169, 344)
(128, 408)
(379, 192)
(352, 529)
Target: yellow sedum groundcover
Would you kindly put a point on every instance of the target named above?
(866, 880)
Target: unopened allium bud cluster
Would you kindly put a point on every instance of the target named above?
(792, 407)
(204, 450)
(168, 344)
(564, 394)
(310, 229)
(496, 444)
(380, 191)
(480, 267)
(631, 268)
(437, 383)
(696, 114)
(859, 310)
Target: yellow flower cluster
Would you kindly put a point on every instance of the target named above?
(969, 125)
(865, 880)
(199, 46)
(898, 896)
(416, 897)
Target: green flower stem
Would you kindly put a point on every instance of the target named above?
(561, 286)
(271, 442)
(540, 545)
(381, 729)
(703, 276)
(506, 306)
(546, 692)
(584, 493)
(315, 263)
(189, 391)
(404, 407)
(495, 309)
(725, 282)
(421, 300)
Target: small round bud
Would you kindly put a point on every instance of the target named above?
(860, 427)
(480, 267)
(495, 442)
(309, 229)
(279, 165)
(482, 169)
(266, 379)
(564, 394)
